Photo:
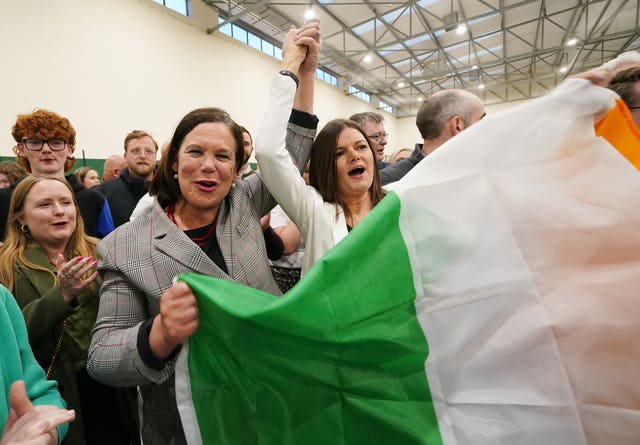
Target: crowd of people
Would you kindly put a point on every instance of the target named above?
(91, 264)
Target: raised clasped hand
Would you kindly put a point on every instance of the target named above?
(71, 275)
(310, 36)
(301, 47)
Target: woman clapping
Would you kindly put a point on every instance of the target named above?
(48, 264)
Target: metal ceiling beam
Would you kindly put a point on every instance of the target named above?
(518, 64)
(235, 18)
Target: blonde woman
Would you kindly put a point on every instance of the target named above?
(48, 264)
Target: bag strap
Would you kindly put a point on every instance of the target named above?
(56, 351)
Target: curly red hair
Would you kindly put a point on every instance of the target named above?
(44, 124)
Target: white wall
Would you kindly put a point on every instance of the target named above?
(408, 134)
(117, 65)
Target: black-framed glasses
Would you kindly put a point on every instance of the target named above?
(37, 144)
(379, 136)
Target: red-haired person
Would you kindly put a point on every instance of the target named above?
(45, 145)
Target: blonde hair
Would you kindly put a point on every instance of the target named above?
(18, 240)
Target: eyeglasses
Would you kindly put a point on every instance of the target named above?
(141, 152)
(37, 144)
(379, 136)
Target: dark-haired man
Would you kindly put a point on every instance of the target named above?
(245, 169)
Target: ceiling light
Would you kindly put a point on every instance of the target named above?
(481, 86)
(401, 84)
(419, 99)
(368, 58)
(461, 29)
(309, 14)
(572, 41)
(474, 67)
(563, 69)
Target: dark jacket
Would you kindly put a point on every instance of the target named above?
(5, 200)
(394, 172)
(123, 194)
(94, 209)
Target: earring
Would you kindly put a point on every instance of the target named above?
(175, 176)
(24, 228)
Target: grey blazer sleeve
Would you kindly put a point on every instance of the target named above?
(301, 130)
(113, 354)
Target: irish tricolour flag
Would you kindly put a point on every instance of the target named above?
(493, 297)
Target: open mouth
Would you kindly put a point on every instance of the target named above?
(356, 172)
(60, 223)
(206, 185)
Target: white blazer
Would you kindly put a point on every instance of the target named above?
(321, 224)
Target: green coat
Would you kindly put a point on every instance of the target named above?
(44, 311)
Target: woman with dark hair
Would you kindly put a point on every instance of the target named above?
(204, 219)
(344, 184)
(47, 262)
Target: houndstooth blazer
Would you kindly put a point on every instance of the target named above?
(138, 262)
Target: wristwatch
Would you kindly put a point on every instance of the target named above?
(292, 75)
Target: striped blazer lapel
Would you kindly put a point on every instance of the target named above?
(173, 242)
(232, 223)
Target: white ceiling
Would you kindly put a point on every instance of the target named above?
(515, 48)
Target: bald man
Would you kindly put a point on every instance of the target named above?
(113, 165)
(441, 116)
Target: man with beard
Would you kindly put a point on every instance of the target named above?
(124, 192)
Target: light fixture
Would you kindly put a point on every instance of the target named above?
(367, 58)
(474, 67)
(572, 41)
(563, 69)
(419, 99)
(481, 86)
(309, 14)
(401, 84)
(461, 29)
